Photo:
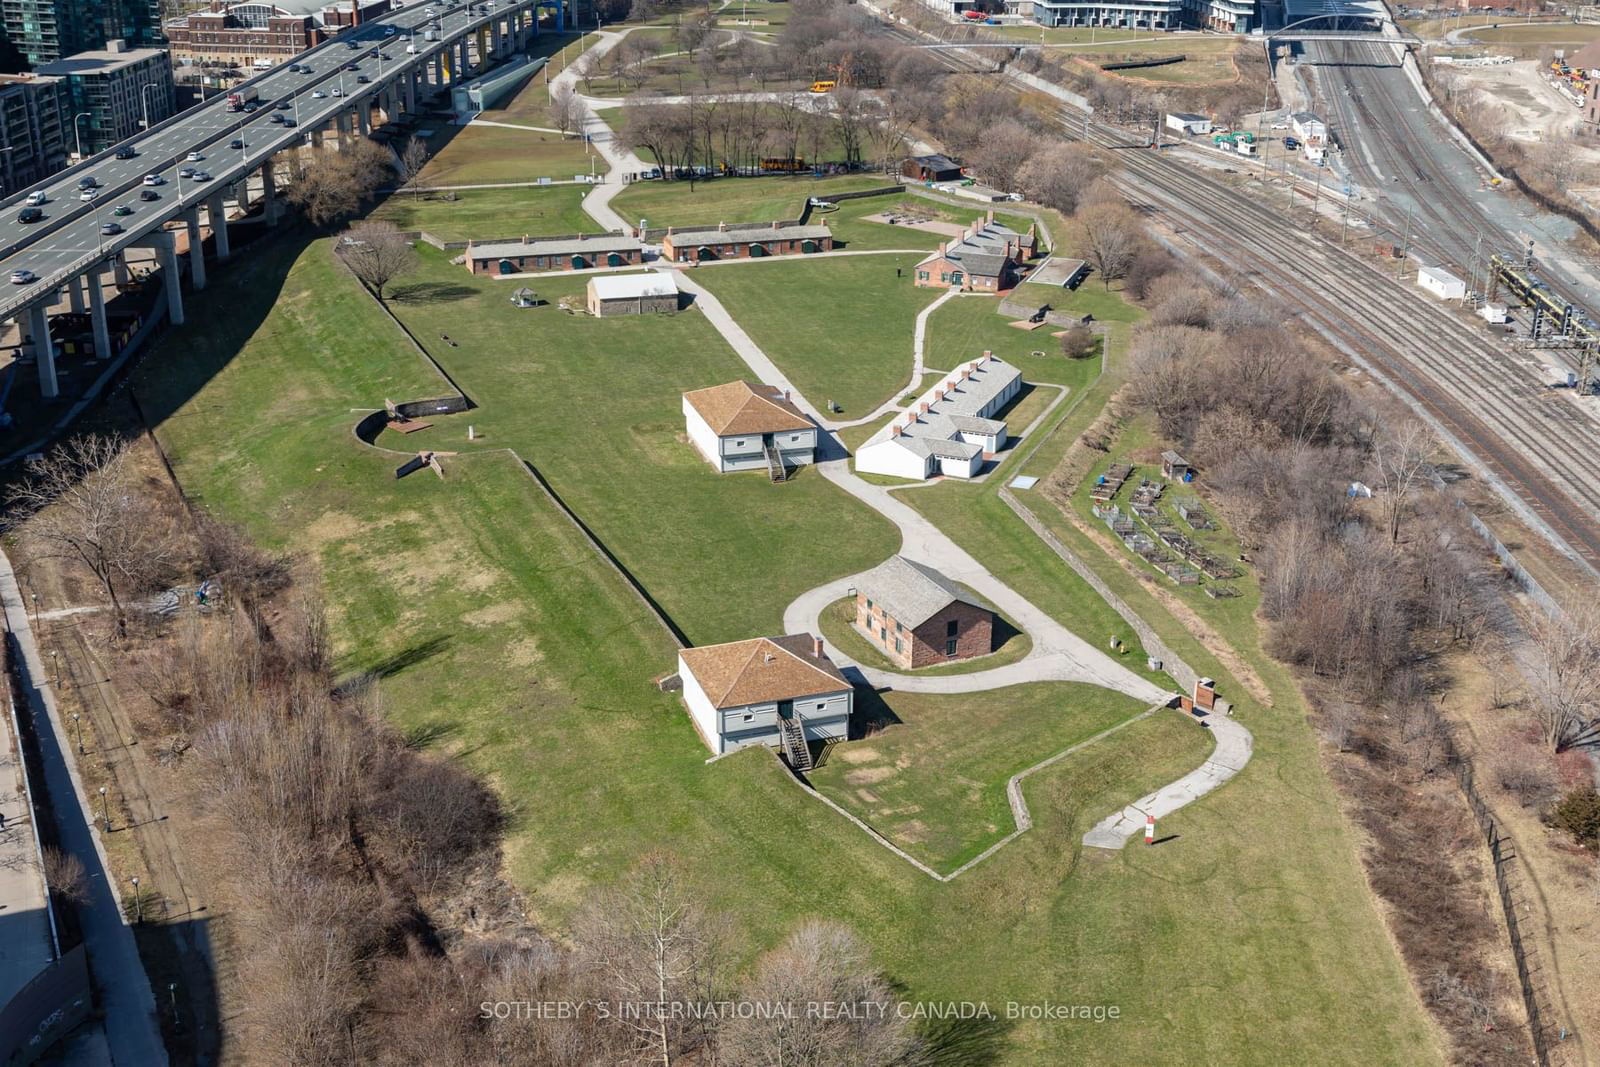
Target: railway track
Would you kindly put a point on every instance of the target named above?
(1537, 446)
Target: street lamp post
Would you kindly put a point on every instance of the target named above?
(144, 99)
(55, 669)
(138, 901)
(77, 131)
(77, 725)
(105, 812)
(35, 611)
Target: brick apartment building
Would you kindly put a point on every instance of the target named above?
(245, 34)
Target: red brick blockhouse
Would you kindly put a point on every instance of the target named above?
(917, 617)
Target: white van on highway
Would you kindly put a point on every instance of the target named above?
(37, 198)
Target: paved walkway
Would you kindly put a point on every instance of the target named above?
(27, 946)
(120, 982)
(1234, 745)
(1057, 654)
(919, 341)
(618, 160)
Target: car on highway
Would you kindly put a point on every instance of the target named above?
(388, 31)
(352, 66)
(284, 105)
(373, 54)
(304, 69)
(337, 91)
(294, 68)
(30, 214)
(201, 176)
(154, 179)
(289, 122)
(411, 49)
(88, 183)
(362, 79)
(123, 210)
(37, 197)
(126, 152)
(238, 143)
(110, 229)
(352, 45)
(86, 195)
(23, 277)
(319, 95)
(276, 120)
(195, 157)
(149, 194)
(186, 172)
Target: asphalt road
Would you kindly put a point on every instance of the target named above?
(69, 237)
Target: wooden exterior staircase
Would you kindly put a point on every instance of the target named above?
(794, 743)
(775, 468)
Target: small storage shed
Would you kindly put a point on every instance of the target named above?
(934, 168)
(632, 294)
(1185, 123)
(1175, 467)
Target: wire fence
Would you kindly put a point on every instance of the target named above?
(1546, 1033)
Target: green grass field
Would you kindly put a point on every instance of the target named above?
(1511, 31)
(597, 404)
(935, 782)
(531, 104)
(836, 626)
(488, 214)
(487, 154)
(1249, 938)
(730, 199)
(797, 310)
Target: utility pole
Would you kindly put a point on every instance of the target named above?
(1405, 245)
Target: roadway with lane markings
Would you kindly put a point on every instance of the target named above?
(69, 240)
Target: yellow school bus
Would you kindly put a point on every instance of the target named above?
(823, 86)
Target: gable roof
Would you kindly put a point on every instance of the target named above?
(910, 592)
(632, 286)
(746, 407)
(762, 670)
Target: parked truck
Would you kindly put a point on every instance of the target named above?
(242, 97)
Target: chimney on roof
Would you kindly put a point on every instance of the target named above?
(816, 647)
(774, 224)
(670, 231)
(922, 408)
(722, 227)
(766, 657)
(786, 394)
(524, 238)
(895, 430)
(989, 217)
(987, 355)
(580, 236)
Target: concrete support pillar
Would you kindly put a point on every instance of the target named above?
(44, 351)
(364, 117)
(75, 296)
(171, 278)
(341, 126)
(197, 248)
(411, 94)
(438, 69)
(119, 268)
(269, 193)
(217, 218)
(97, 312)
(462, 64)
(316, 138)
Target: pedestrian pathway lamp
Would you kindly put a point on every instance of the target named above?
(138, 901)
(77, 724)
(105, 812)
(55, 669)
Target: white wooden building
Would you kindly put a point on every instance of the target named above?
(755, 692)
(949, 430)
(748, 426)
(1441, 283)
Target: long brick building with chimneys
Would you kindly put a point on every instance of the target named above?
(744, 242)
(985, 258)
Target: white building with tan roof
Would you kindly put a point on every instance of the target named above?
(744, 426)
(783, 692)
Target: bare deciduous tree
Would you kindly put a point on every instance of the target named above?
(1056, 176)
(566, 109)
(822, 963)
(653, 951)
(65, 875)
(333, 185)
(413, 158)
(1400, 468)
(1108, 236)
(1565, 684)
(82, 502)
(376, 253)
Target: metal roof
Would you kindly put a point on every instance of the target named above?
(633, 286)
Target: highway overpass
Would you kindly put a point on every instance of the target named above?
(337, 88)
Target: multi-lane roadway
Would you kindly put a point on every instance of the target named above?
(330, 81)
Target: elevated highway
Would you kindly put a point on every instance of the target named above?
(373, 72)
